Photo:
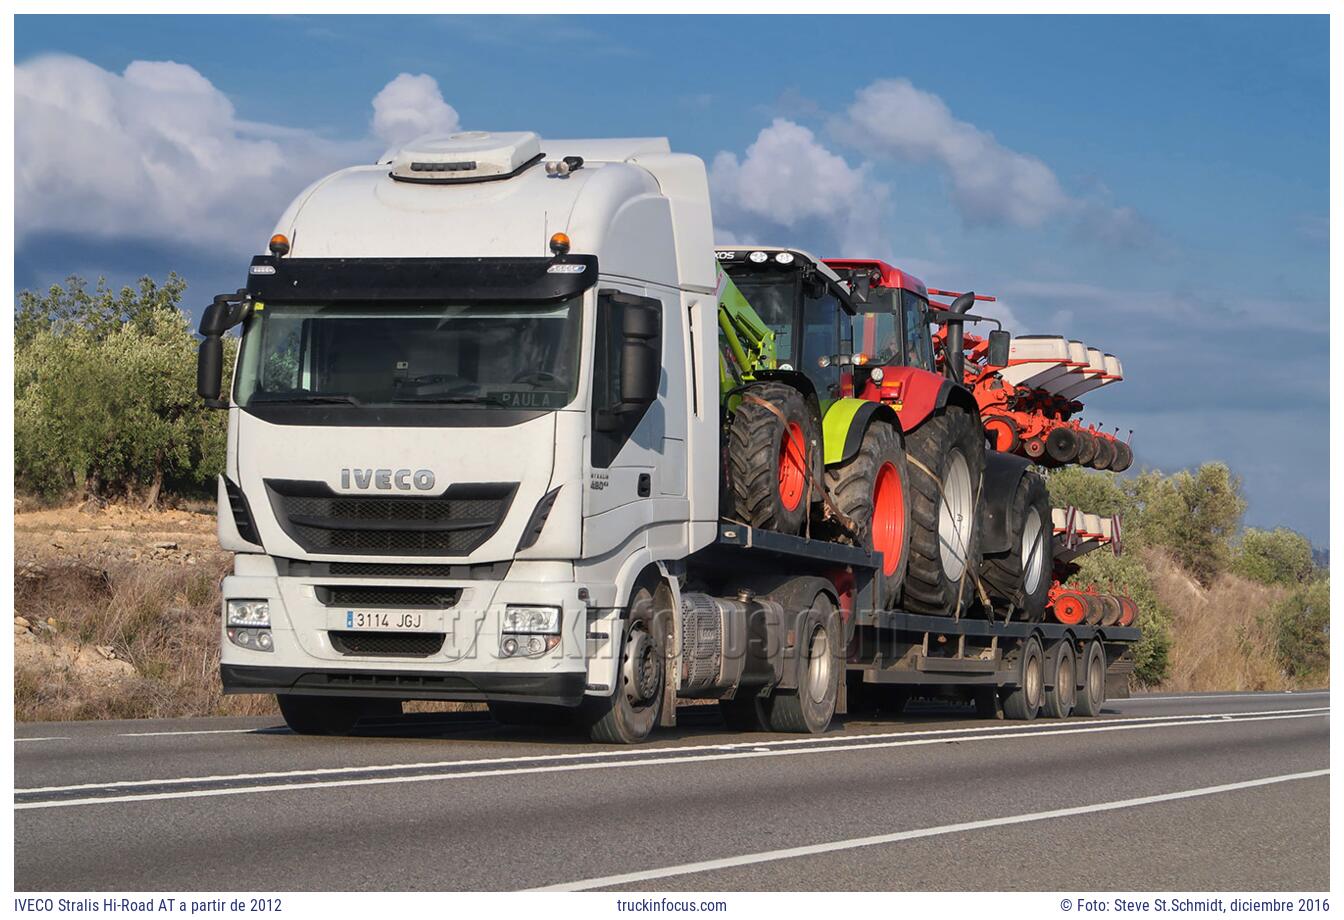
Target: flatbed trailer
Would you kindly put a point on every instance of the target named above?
(950, 656)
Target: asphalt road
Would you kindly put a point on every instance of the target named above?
(1191, 792)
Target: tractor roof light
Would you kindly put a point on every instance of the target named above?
(560, 243)
(758, 257)
(279, 245)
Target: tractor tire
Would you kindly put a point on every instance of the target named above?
(1003, 434)
(944, 523)
(1124, 457)
(1105, 453)
(1061, 445)
(1021, 576)
(1087, 448)
(771, 458)
(872, 489)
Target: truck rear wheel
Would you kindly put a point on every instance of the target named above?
(940, 578)
(810, 707)
(771, 457)
(331, 715)
(1021, 576)
(630, 713)
(1094, 682)
(872, 489)
(1023, 702)
(1062, 691)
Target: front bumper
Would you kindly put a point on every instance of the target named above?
(478, 686)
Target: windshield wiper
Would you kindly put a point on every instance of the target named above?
(480, 399)
(343, 398)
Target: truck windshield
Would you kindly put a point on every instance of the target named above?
(516, 356)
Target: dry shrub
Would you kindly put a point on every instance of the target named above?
(162, 619)
(1222, 637)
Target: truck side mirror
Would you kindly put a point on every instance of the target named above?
(641, 354)
(999, 342)
(225, 312)
(210, 369)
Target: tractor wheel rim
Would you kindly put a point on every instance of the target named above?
(1033, 552)
(792, 466)
(888, 517)
(818, 665)
(954, 516)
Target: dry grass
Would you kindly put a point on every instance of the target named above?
(1223, 637)
(162, 619)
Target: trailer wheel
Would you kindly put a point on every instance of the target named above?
(1124, 457)
(1062, 692)
(630, 713)
(1087, 448)
(1021, 576)
(944, 531)
(331, 715)
(1023, 702)
(771, 457)
(872, 489)
(1093, 684)
(1105, 453)
(810, 706)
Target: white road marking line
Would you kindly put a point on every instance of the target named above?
(52, 738)
(1199, 698)
(617, 764)
(855, 843)
(643, 755)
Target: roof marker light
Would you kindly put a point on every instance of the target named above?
(758, 257)
(279, 244)
(784, 258)
(560, 243)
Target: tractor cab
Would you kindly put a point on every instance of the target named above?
(806, 306)
(892, 325)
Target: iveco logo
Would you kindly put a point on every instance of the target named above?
(388, 479)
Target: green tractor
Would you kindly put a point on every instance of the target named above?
(801, 457)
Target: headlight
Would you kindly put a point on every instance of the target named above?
(249, 613)
(521, 619)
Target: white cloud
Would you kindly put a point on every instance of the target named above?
(991, 184)
(409, 106)
(788, 181)
(158, 153)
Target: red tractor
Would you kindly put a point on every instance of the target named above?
(980, 519)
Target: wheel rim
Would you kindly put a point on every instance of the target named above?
(640, 667)
(1095, 679)
(792, 466)
(1066, 682)
(1003, 434)
(1033, 681)
(1069, 609)
(1033, 552)
(888, 517)
(818, 665)
(954, 516)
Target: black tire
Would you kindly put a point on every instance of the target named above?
(757, 441)
(1124, 457)
(632, 710)
(819, 661)
(745, 712)
(1023, 702)
(1087, 448)
(1092, 694)
(1021, 576)
(1105, 453)
(932, 583)
(1061, 445)
(852, 486)
(331, 715)
(1061, 691)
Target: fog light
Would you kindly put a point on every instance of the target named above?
(510, 646)
(258, 640)
(249, 613)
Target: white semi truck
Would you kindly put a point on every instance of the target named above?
(475, 452)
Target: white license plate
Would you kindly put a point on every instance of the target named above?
(386, 620)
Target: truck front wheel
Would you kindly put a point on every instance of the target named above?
(331, 715)
(630, 713)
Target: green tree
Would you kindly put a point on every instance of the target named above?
(1303, 620)
(1279, 556)
(105, 399)
(1194, 515)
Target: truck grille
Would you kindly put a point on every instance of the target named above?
(453, 523)
(394, 644)
(387, 596)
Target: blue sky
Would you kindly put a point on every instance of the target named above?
(1155, 187)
